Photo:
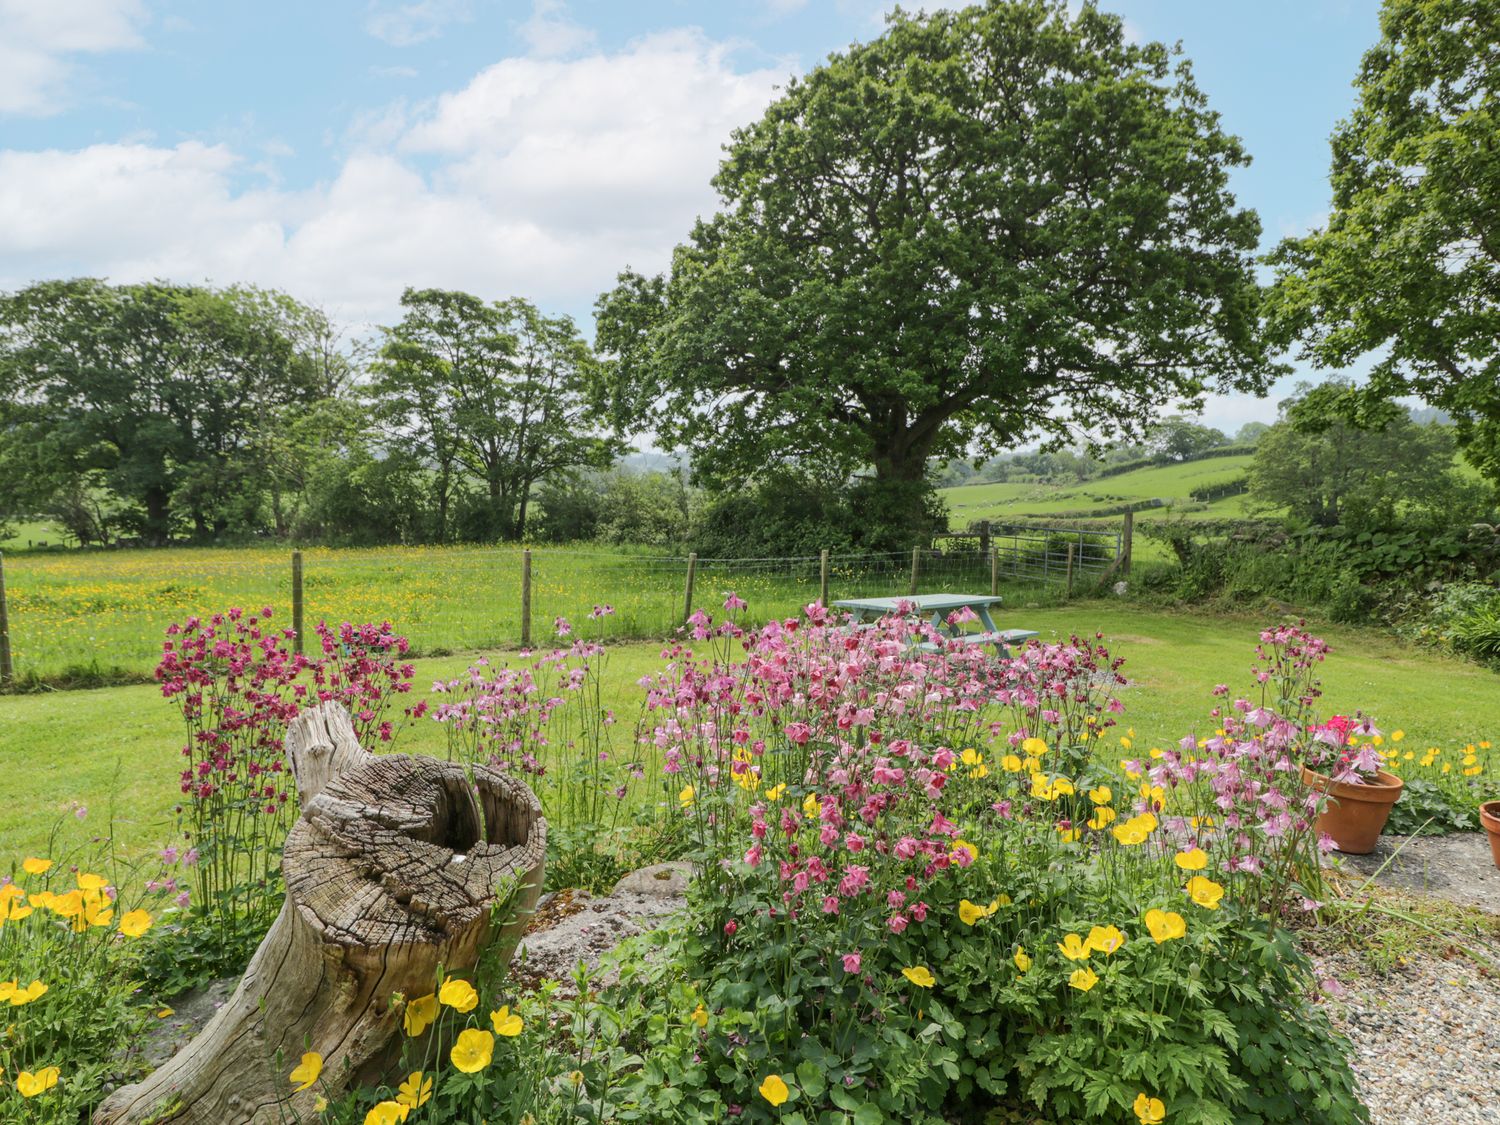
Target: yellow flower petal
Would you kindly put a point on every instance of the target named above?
(473, 1050)
(305, 1074)
(920, 975)
(774, 1090)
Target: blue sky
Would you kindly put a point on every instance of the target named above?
(342, 149)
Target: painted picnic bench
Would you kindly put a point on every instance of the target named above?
(938, 607)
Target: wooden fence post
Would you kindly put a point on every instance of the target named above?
(994, 571)
(297, 601)
(1070, 570)
(7, 669)
(916, 555)
(692, 574)
(984, 537)
(823, 578)
(1127, 542)
(526, 598)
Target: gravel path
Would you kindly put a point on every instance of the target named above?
(1425, 1049)
(1458, 868)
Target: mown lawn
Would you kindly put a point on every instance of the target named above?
(115, 750)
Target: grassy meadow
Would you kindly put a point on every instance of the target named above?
(91, 615)
(1032, 499)
(115, 750)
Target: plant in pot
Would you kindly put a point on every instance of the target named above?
(1489, 816)
(1359, 794)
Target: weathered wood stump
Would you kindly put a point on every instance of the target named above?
(393, 869)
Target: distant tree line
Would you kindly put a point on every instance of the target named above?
(156, 413)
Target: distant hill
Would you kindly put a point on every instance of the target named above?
(1170, 483)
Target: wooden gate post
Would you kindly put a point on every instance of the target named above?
(994, 571)
(984, 537)
(1127, 542)
(823, 578)
(916, 555)
(7, 669)
(297, 601)
(1070, 570)
(692, 574)
(526, 598)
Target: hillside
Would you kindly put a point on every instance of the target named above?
(1171, 483)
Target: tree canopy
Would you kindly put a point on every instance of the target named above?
(1408, 268)
(492, 388)
(138, 404)
(983, 226)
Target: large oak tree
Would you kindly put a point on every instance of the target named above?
(983, 227)
(1407, 271)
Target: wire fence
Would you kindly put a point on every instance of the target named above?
(94, 616)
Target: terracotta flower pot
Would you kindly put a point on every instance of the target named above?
(1489, 816)
(1355, 815)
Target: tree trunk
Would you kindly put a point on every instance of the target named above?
(158, 519)
(392, 870)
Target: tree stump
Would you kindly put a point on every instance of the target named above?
(392, 870)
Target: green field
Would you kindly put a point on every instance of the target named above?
(115, 750)
(1015, 499)
(85, 615)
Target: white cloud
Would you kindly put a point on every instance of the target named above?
(38, 38)
(550, 33)
(541, 177)
(403, 25)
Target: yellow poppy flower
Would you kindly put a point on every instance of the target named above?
(774, 1090)
(1105, 939)
(458, 995)
(920, 975)
(1130, 833)
(971, 757)
(1195, 859)
(1397, 735)
(1165, 925)
(30, 1085)
(473, 1050)
(1069, 835)
(387, 1113)
(1101, 818)
(419, 1014)
(699, 1016)
(66, 906)
(1125, 743)
(306, 1072)
(965, 846)
(1083, 979)
(774, 793)
(1074, 948)
(98, 913)
(1149, 1111)
(33, 991)
(1205, 892)
(1034, 747)
(686, 796)
(416, 1091)
(34, 866)
(1031, 765)
(506, 1023)
(810, 806)
(135, 923)
(969, 912)
(1023, 961)
(88, 882)
(1102, 795)
(1063, 787)
(1042, 788)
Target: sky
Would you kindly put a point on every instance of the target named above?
(345, 149)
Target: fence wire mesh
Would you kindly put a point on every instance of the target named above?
(78, 614)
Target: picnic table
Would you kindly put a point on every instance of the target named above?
(939, 606)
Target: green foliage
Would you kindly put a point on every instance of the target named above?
(497, 390)
(1328, 472)
(1408, 268)
(854, 304)
(618, 507)
(140, 407)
